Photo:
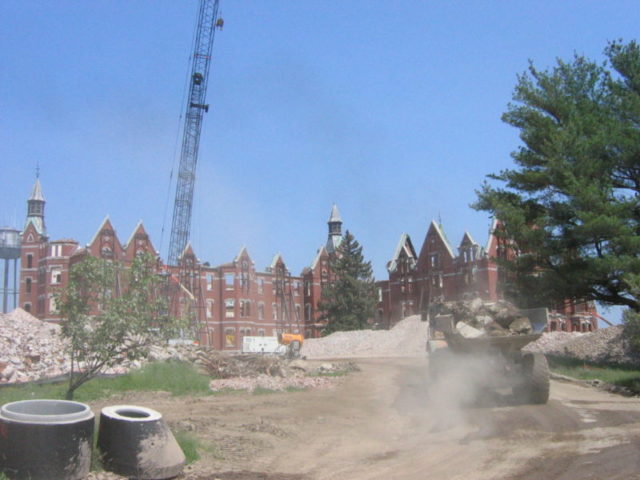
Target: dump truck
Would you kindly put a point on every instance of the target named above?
(496, 359)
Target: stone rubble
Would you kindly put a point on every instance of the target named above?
(406, 339)
(606, 345)
(29, 348)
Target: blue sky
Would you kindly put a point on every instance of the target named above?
(391, 110)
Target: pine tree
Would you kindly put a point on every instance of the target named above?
(571, 203)
(349, 300)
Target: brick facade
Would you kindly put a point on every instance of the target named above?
(438, 273)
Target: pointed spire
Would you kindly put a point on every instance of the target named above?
(35, 207)
(36, 192)
(335, 214)
(335, 230)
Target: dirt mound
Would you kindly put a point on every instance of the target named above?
(406, 339)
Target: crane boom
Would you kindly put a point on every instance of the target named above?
(208, 21)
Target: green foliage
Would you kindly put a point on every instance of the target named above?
(614, 375)
(571, 204)
(189, 444)
(349, 300)
(179, 378)
(112, 313)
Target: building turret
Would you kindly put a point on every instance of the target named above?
(35, 209)
(335, 230)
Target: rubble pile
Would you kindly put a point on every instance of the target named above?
(222, 366)
(29, 348)
(476, 318)
(406, 339)
(606, 345)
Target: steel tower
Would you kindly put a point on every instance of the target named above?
(208, 21)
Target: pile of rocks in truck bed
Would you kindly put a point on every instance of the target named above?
(475, 318)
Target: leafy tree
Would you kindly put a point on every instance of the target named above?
(349, 300)
(111, 313)
(571, 205)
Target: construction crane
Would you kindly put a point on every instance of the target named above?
(208, 22)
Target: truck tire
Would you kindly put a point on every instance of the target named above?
(536, 385)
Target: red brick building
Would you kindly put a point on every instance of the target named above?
(224, 302)
(438, 273)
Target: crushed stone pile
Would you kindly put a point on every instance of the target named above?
(606, 345)
(406, 339)
(29, 348)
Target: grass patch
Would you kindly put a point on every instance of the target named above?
(628, 377)
(190, 445)
(179, 378)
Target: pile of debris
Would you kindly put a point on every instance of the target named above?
(602, 346)
(29, 348)
(248, 372)
(476, 318)
(406, 339)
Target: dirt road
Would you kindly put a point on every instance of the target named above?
(385, 423)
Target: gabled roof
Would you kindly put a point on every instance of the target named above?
(276, 258)
(404, 245)
(243, 251)
(105, 223)
(467, 240)
(188, 250)
(441, 234)
(37, 224)
(321, 250)
(492, 236)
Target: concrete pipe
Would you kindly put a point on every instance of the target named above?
(46, 439)
(135, 442)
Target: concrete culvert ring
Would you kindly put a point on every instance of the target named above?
(44, 439)
(135, 442)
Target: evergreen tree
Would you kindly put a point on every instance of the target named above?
(349, 300)
(571, 205)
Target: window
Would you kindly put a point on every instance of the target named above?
(209, 308)
(261, 311)
(27, 307)
(261, 285)
(229, 337)
(228, 280)
(307, 287)
(296, 288)
(274, 311)
(56, 276)
(209, 282)
(56, 250)
(379, 294)
(53, 307)
(298, 311)
(307, 312)
(29, 261)
(230, 305)
(261, 332)
(28, 285)
(245, 308)
(434, 260)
